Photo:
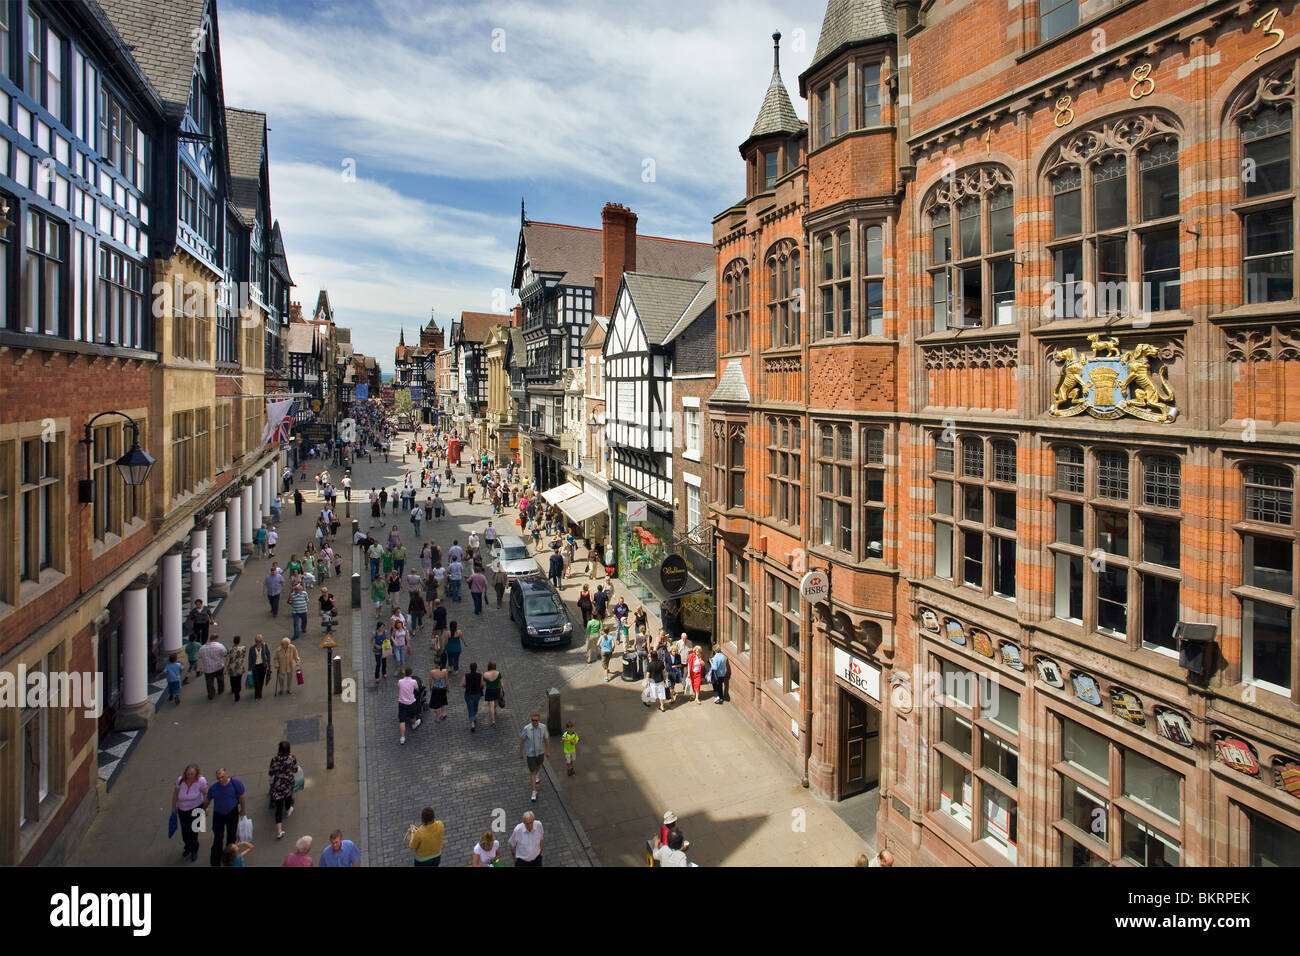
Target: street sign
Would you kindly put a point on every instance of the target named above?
(815, 586)
(329, 643)
(637, 511)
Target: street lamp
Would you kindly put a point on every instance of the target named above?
(134, 466)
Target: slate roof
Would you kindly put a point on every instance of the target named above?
(776, 115)
(849, 22)
(731, 385)
(343, 336)
(160, 36)
(278, 259)
(245, 139)
(666, 305)
(518, 348)
(478, 324)
(575, 252)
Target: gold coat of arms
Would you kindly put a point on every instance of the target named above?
(1108, 385)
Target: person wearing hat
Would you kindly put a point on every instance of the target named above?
(670, 826)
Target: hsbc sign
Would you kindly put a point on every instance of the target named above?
(858, 673)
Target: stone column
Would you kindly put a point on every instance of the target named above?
(258, 488)
(198, 559)
(268, 490)
(135, 711)
(246, 513)
(173, 613)
(218, 583)
(234, 533)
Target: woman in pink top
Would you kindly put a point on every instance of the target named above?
(189, 794)
(408, 709)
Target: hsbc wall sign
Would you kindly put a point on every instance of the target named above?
(858, 673)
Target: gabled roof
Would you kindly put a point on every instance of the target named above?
(477, 324)
(323, 302)
(776, 116)
(246, 141)
(161, 38)
(301, 338)
(518, 347)
(731, 385)
(661, 302)
(278, 260)
(704, 300)
(575, 253)
(849, 23)
(595, 334)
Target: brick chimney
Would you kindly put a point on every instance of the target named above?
(517, 317)
(618, 251)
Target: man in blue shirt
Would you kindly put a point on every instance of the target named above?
(721, 675)
(340, 852)
(227, 796)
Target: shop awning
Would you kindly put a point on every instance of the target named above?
(583, 506)
(650, 578)
(560, 492)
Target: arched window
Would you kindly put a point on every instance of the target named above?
(972, 272)
(1115, 227)
(784, 294)
(1263, 115)
(736, 281)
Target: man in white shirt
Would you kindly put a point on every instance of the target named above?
(670, 854)
(528, 841)
(272, 537)
(347, 487)
(489, 536)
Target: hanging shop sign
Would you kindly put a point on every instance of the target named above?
(637, 511)
(672, 573)
(858, 673)
(1109, 385)
(815, 586)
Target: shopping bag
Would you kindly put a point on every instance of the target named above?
(300, 676)
(172, 824)
(299, 779)
(501, 699)
(244, 831)
(248, 680)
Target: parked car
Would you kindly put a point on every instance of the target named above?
(535, 606)
(513, 554)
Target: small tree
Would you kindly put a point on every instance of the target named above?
(402, 402)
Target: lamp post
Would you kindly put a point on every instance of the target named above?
(329, 644)
(134, 466)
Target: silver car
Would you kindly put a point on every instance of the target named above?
(513, 554)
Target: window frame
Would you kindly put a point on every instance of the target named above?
(964, 521)
(785, 468)
(1251, 528)
(976, 194)
(784, 295)
(736, 279)
(787, 614)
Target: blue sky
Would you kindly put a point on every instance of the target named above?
(404, 133)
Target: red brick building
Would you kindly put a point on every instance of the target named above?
(1027, 400)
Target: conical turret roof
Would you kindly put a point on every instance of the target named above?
(777, 114)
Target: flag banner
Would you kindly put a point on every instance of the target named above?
(417, 394)
(280, 415)
(362, 392)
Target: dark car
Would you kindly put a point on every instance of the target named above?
(536, 607)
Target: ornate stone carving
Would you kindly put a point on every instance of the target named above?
(971, 355)
(1267, 343)
(975, 181)
(1271, 87)
(1108, 385)
(1119, 135)
(790, 363)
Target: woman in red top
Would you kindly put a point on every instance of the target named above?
(695, 667)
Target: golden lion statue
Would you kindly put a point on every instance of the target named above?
(1148, 392)
(1103, 347)
(1071, 388)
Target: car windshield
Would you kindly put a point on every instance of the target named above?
(515, 553)
(541, 605)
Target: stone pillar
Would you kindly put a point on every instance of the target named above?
(198, 558)
(173, 613)
(136, 710)
(218, 583)
(258, 488)
(246, 512)
(268, 490)
(234, 532)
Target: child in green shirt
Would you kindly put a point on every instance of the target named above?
(192, 653)
(570, 738)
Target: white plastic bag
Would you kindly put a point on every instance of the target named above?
(244, 831)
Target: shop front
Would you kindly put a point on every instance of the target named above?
(643, 538)
(589, 510)
(858, 755)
